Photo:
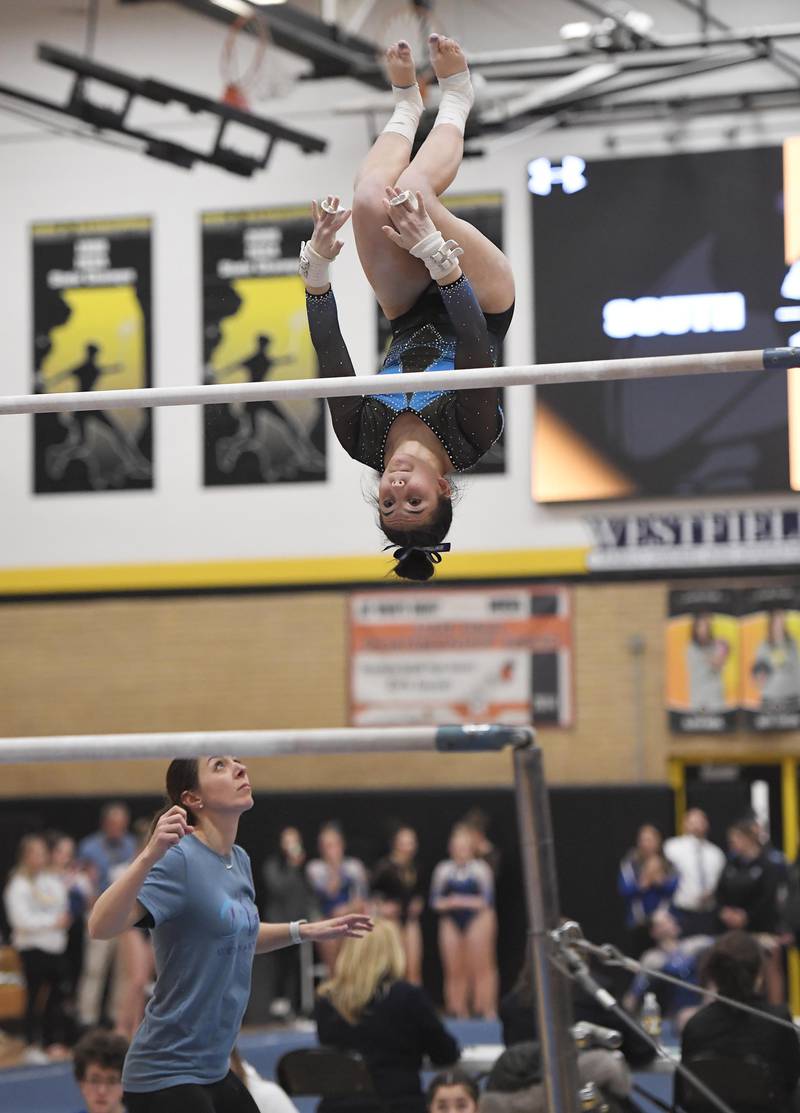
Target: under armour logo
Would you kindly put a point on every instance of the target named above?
(542, 175)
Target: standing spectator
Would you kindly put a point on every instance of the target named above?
(367, 1006)
(698, 864)
(462, 893)
(289, 898)
(339, 884)
(747, 896)
(396, 887)
(97, 1062)
(135, 962)
(647, 882)
(80, 894)
(36, 908)
(108, 851)
(734, 969)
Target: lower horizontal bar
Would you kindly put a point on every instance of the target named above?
(260, 743)
(646, 367)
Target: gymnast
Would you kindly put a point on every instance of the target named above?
(192, 886)
(448, 293)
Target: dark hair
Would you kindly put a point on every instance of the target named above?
(113, 806)
(734, 964)
(415, 565)
(182, 776)
(99, 1047)
(454, 1077)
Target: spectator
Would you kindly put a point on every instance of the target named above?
(268, 1096)
(108, 851)
(289, 898)
(478, 822)
(368, 1007)
(747, 896)
(97, 1062)
(339, 884)
(734, 968)
(676, 956)
(453, 1091)
(397, 890)
(698, 864)
(135, 962)
(462, 893)
(647, 882)
(36, 908)
(80, 894)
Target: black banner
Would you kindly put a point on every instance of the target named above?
(254, 329)
(92, 330)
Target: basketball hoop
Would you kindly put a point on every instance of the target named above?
(240, 80)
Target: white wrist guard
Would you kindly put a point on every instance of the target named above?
(440, 256)
(313, 267)
(294, 930)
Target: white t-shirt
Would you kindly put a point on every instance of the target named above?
(268, 1096)
(34, 907)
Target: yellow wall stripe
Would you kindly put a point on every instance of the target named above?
(302, 572)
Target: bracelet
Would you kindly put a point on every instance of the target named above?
(294, 930)
(313, 267)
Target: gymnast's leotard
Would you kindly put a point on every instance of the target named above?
(473, 879)
(353, 884)
(443, 330)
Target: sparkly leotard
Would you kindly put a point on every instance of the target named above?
(445, 329)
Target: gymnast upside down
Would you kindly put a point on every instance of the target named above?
(448, 293)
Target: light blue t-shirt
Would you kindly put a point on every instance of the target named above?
(204, 937)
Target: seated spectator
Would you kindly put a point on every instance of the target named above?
(747, 897)
(368, 1007)
(288, 898)
(36, 908)
(734, 968)
(453, 1091)
(397, 891)
(518, 1018)
(698, 864)
(339, 884)
(268, 1096)
(462, 893)
(647, 882)
(97, 1063)
(515, 1083)
(676, 956)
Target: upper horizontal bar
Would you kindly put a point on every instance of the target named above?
(645, 367)
(262, 743)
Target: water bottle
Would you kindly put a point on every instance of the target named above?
(651, 1015)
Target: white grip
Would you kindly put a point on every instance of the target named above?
(440, 256)
(314, 268)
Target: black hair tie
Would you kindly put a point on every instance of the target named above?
(433, 553)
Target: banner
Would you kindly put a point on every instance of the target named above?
(255, 329)
(770, 635)
(92, 330)
(485, 212)
(702, 659)
(462, 656)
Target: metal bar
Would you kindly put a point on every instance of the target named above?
(553, 1000)
(262, 743)
(353, 386)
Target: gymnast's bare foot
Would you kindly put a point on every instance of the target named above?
(400, 65)
(447, 57)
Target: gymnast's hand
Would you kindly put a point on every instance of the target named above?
(169, 830)
(326, 227)
(409, 223)
(353, 926)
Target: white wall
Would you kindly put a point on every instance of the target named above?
(45, 176)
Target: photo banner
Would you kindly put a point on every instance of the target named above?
(92, 330)
(483, 211)
(702, 660)
(462, 656)
(255, 329)
(770, 637)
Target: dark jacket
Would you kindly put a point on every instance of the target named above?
(396, 1031)
(753, 887)
(733, 1034)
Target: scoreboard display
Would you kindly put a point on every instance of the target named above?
(654, 256)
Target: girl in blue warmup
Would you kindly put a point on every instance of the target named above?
(448, 293)
(193, 888)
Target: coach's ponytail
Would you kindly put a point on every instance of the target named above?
(182, 776)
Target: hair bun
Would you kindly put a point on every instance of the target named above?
(413, 565)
